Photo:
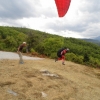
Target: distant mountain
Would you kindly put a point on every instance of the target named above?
(97, 38)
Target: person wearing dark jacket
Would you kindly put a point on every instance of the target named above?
(61, 55)
(20, 48)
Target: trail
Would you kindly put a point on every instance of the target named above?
(12, 55)
(27, 82)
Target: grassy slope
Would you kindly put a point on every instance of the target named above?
(75, 82)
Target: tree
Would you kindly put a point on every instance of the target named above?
(51, 45)
(86, 58)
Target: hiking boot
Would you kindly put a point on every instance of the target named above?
(63, 63)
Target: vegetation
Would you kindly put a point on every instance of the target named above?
(81, 51)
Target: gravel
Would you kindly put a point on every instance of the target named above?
(11, 55)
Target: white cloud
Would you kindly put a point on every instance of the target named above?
(81, 20)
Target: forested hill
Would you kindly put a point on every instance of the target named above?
(47, 44)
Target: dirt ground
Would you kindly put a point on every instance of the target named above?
(48, 80)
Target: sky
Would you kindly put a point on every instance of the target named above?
(81, 21)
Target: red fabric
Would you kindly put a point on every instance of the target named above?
(62, 6)
(62, 57)
(63, 52)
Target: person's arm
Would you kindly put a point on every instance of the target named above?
(18, 49)
(63, 52)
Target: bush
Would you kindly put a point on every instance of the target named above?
(74, 58)
(2, 46)
(53, 55)
(32, 50)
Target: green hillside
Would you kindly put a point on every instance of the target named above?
(47, 44)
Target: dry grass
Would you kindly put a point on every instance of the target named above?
(73, 81)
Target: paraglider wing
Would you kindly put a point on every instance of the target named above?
(62, 6)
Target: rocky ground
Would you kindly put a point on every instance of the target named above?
(46, 79)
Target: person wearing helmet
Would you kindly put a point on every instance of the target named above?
(61, 54)
(20, 48)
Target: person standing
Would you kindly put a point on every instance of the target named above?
(61, 54)
(20, 48)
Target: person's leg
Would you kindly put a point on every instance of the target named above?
(21, 59)
(63, 59)
(58, 57)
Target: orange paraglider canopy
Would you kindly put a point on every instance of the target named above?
(62, 6)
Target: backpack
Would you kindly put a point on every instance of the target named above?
(60, 50)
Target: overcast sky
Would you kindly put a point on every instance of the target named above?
(81, 21)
